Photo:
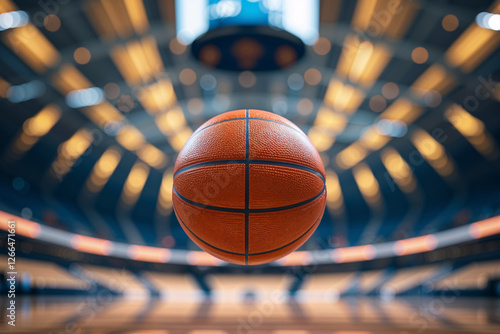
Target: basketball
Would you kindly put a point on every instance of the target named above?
(249, 187)
(250, 166)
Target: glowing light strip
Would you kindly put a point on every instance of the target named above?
(91, 245)
(353, 254)
(149, 254)
(24, 227)
(85, 244)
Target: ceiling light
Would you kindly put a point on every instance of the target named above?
(320, 138)
(13, 19)
(85, 97)
(476, 43)
(393, 128)
(398, 169)
(330, 120)
(34, 128)
(135, 183)
(103, 169)
(152, 156)
(69, 78)
(40, 124)
(434, 78)
(158, 96)
(433, 152)
(165, 194)
(32, 47)
(473, 130)
(372, 139)
(137, 14)
(343, 97)
(367, 184)
(70, 151)
(25, 92)
(488, 21)
(195, 17)
(402, 110)
(130, 138)
(105, 115)
(335, 198)
(351, 155)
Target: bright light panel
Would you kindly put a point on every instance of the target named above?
(191, 19)
(85, 97)
(299, 17)
(488, 21)
(13, 19)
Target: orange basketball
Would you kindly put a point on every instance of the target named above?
(249, 187)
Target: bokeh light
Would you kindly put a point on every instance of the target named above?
(312, 76)
(295, 81)
(52, 23)
(18, 183)
(322, 46)
(111, 90)
(390, 90)
(208, 82)
(195, 106)
(419, 55)
(168, 241)
(176, 47)
(280, 106)
(432, 98)
(224, 86)
(125, 103)
(450, 22)
(305, 106)
(187, 76)
(221, 103)
(377, 103)
(247, 79)
(82, 55)
(26, 213)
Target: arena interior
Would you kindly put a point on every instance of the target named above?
(401, 99)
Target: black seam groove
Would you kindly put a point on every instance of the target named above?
(287, 164)
(247, 181)
(249, 254)
(251, 162)
(223, 121)
(205, 242)
(209, 163)
(291, 242)
(236, 210)
(273, 121)
(245, 118)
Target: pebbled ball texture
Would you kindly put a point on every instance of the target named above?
(249, 187)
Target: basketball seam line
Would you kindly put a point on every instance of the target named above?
(247, 182)
(236, 210)
(251, 162)
(249, 254)
(256, 118)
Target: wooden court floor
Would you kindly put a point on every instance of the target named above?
(105, 314)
